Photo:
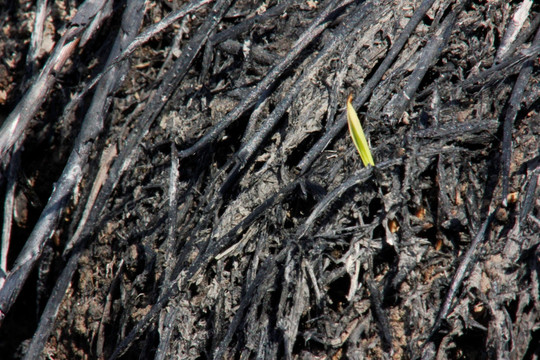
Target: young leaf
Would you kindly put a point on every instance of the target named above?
(357, 135)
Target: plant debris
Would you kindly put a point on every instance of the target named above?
(178, 182)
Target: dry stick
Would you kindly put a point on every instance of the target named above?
(514, 104)
(238, 29)
(9, 208)
(530, 194)
(513, 28)
(307, 37)
(92, 126)
(458, 278)
(13, 127)
(173, 212)
(523, 36)
(106, 316)
(323, 142)
(200, 264)
(245, 154)
(380, 315)
(107, 157)
(37, 35)
(395, 108)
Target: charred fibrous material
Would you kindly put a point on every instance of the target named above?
(177, 180)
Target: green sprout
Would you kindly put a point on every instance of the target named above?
(357, 134)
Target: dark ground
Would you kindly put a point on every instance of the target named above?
(204, 199)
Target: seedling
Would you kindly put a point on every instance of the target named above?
(357, 134)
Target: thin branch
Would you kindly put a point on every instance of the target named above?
(37, 34)
(234, 31)
(9, 207)
(514, 26)
(514, 104)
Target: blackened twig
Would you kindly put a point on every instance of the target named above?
(508, 62)
(151, 31)
(513, 28)
(380, 316)
(235, 31)
(514, 105)
(37, 35)
(71, 176)
(252, 296)
(46, 322)
(173, 210)
(155, 104)
(166, 331)
(530, 194)
(523, 36)
(451, 130)
(9, 203)
(106, 316)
